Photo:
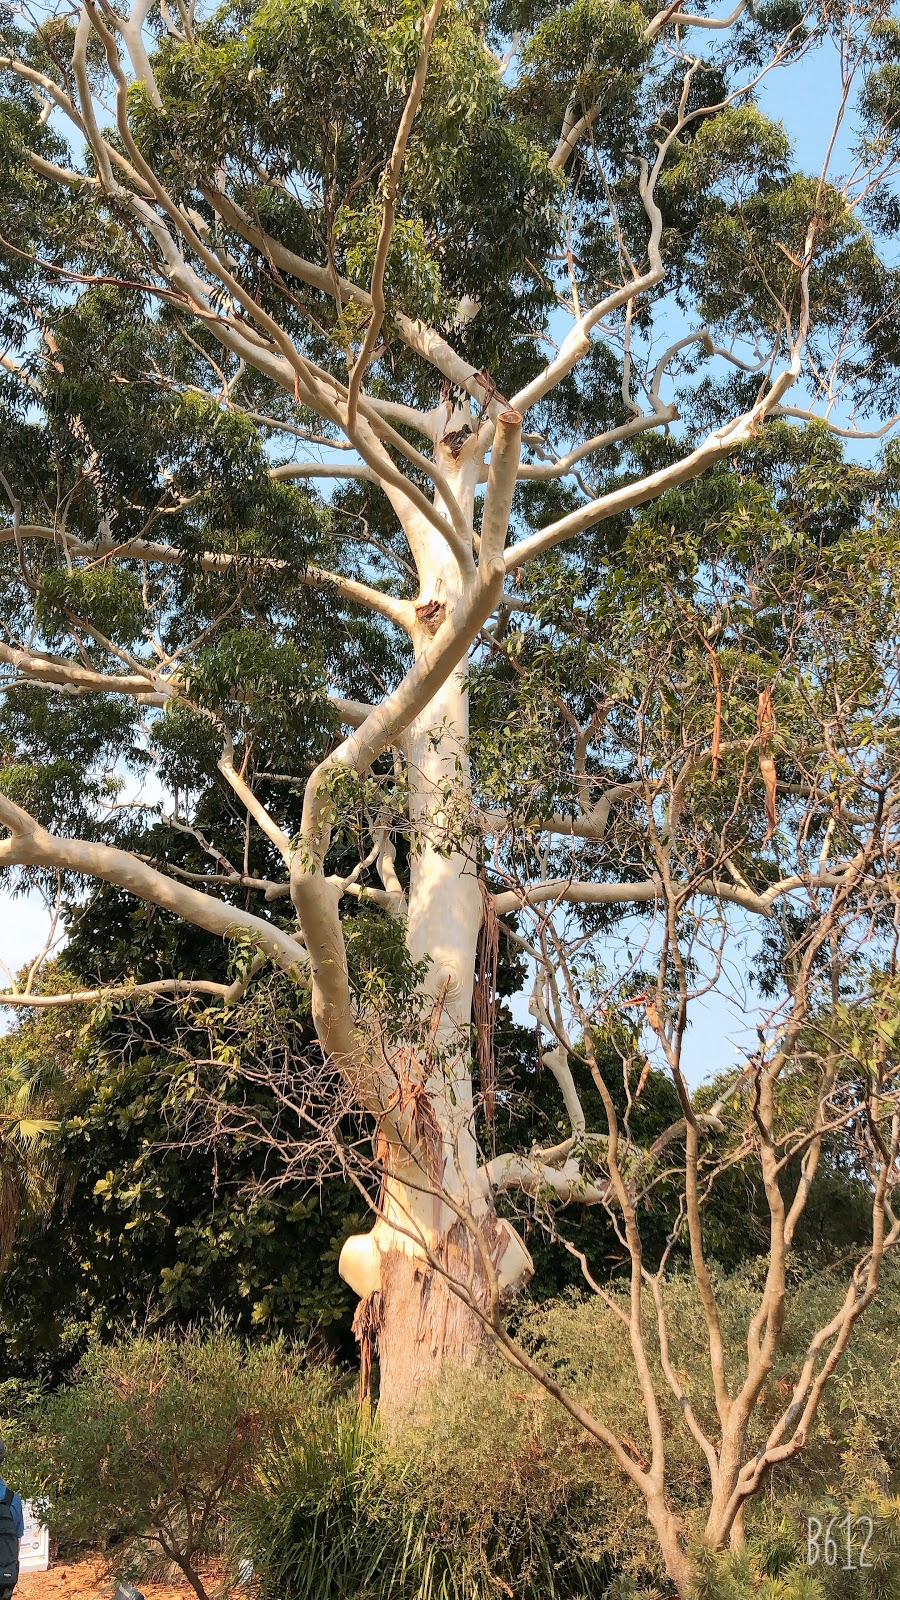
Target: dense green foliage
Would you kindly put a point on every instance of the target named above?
(151, 1449)
(29, 1170)
(163, 454)
(492, 1488)
(495, 1488)
(477, 1495)
(154, 1222)
(166, 1210)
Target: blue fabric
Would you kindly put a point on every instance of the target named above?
(18, 1515)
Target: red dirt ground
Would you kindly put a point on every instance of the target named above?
(87, 1579)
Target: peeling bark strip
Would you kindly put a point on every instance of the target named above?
(416, 1119)
(456, 439)
(765, 723)
(368, 1319)
(484, 1007)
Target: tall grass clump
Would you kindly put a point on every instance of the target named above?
(346, 1516)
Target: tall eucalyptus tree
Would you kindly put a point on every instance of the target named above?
(422, 452)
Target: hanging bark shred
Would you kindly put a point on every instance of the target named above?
(367, 1320)
(765, 725)
(412, 1099)
(484, 1007)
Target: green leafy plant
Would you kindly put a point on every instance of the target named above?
(150, 1450)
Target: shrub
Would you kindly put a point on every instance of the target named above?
(341, 1517)
(494, 1491)
(152, 1447)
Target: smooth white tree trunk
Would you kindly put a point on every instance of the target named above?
(423, 1324)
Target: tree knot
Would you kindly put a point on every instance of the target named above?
(430, 614)
(455, 439)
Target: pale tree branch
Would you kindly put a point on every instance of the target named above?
(58, 672)
(30, 845)
(314, 898)
(529, 1175)
(577, 342)
(673, 16)
(104, 550)
(416, 335)
(391, 194)
(500, 486)
(254, 805)
(841, 431)
(574, 125)
(688, 1413)
(110, 993)
(339, 471)
(546, 471)
(322, 392)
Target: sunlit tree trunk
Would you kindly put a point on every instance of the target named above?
(420, 1245)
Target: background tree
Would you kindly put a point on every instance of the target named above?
(139, 1227)
(641, 691)
(28, 1169)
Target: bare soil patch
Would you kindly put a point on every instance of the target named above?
(88, 1579)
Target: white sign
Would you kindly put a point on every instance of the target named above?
(34, 1547)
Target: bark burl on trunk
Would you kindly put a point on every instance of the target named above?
(410, 1317)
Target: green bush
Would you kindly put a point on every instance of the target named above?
(495, 1491)
(339, 1516)
(149, 1452)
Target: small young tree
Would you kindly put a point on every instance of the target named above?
(156, 1441)
(591, 627)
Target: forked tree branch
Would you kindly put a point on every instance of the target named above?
(30, 845)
